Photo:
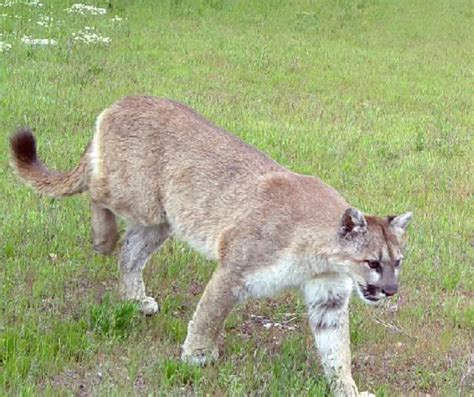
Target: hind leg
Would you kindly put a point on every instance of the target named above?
(104, 229)
(140, 242)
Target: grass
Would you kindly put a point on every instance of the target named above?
(373, 96)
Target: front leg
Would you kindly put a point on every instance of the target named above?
(220, 296)
(327, 302)
(332, 341)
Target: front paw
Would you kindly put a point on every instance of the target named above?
(198, 350)
(349, 389)
(200, 357)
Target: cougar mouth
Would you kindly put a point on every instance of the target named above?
(370, 293)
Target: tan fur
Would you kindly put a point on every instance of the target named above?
(51, 183)
(170, 172)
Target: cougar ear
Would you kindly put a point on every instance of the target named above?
(400, 222)
(353, 222)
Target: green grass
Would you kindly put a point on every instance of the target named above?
(373, 96)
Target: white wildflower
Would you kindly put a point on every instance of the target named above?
(85, 9)
(116, 18)
(5, 47)
(38, 42)
(45, 21)
(34, 3)
(89, 35)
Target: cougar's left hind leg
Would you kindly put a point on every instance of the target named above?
(140, 242)
(104, 229)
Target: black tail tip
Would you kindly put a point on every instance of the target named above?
(23, 145)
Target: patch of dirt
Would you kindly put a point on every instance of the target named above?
(139, 385)
(85, 382)
(195, 289)
(75, 381)
(268, 322)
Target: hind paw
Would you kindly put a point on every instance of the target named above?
(200, 357)
(148, 306)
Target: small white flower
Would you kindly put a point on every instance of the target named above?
(85, 9)
(38, 42)
(34, 3)
(5, 47)
(116, 18)
(89, 35)
(45, 21)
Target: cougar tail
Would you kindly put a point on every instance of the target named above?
(35, 174)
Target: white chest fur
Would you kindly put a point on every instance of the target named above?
(287, 274)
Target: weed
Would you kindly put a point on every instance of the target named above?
(112, 320)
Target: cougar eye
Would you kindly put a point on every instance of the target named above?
(373, 264)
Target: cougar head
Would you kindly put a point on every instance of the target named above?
(372, 250)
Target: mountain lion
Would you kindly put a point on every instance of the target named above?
(170, 172)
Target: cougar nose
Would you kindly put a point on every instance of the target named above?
(390, 290)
